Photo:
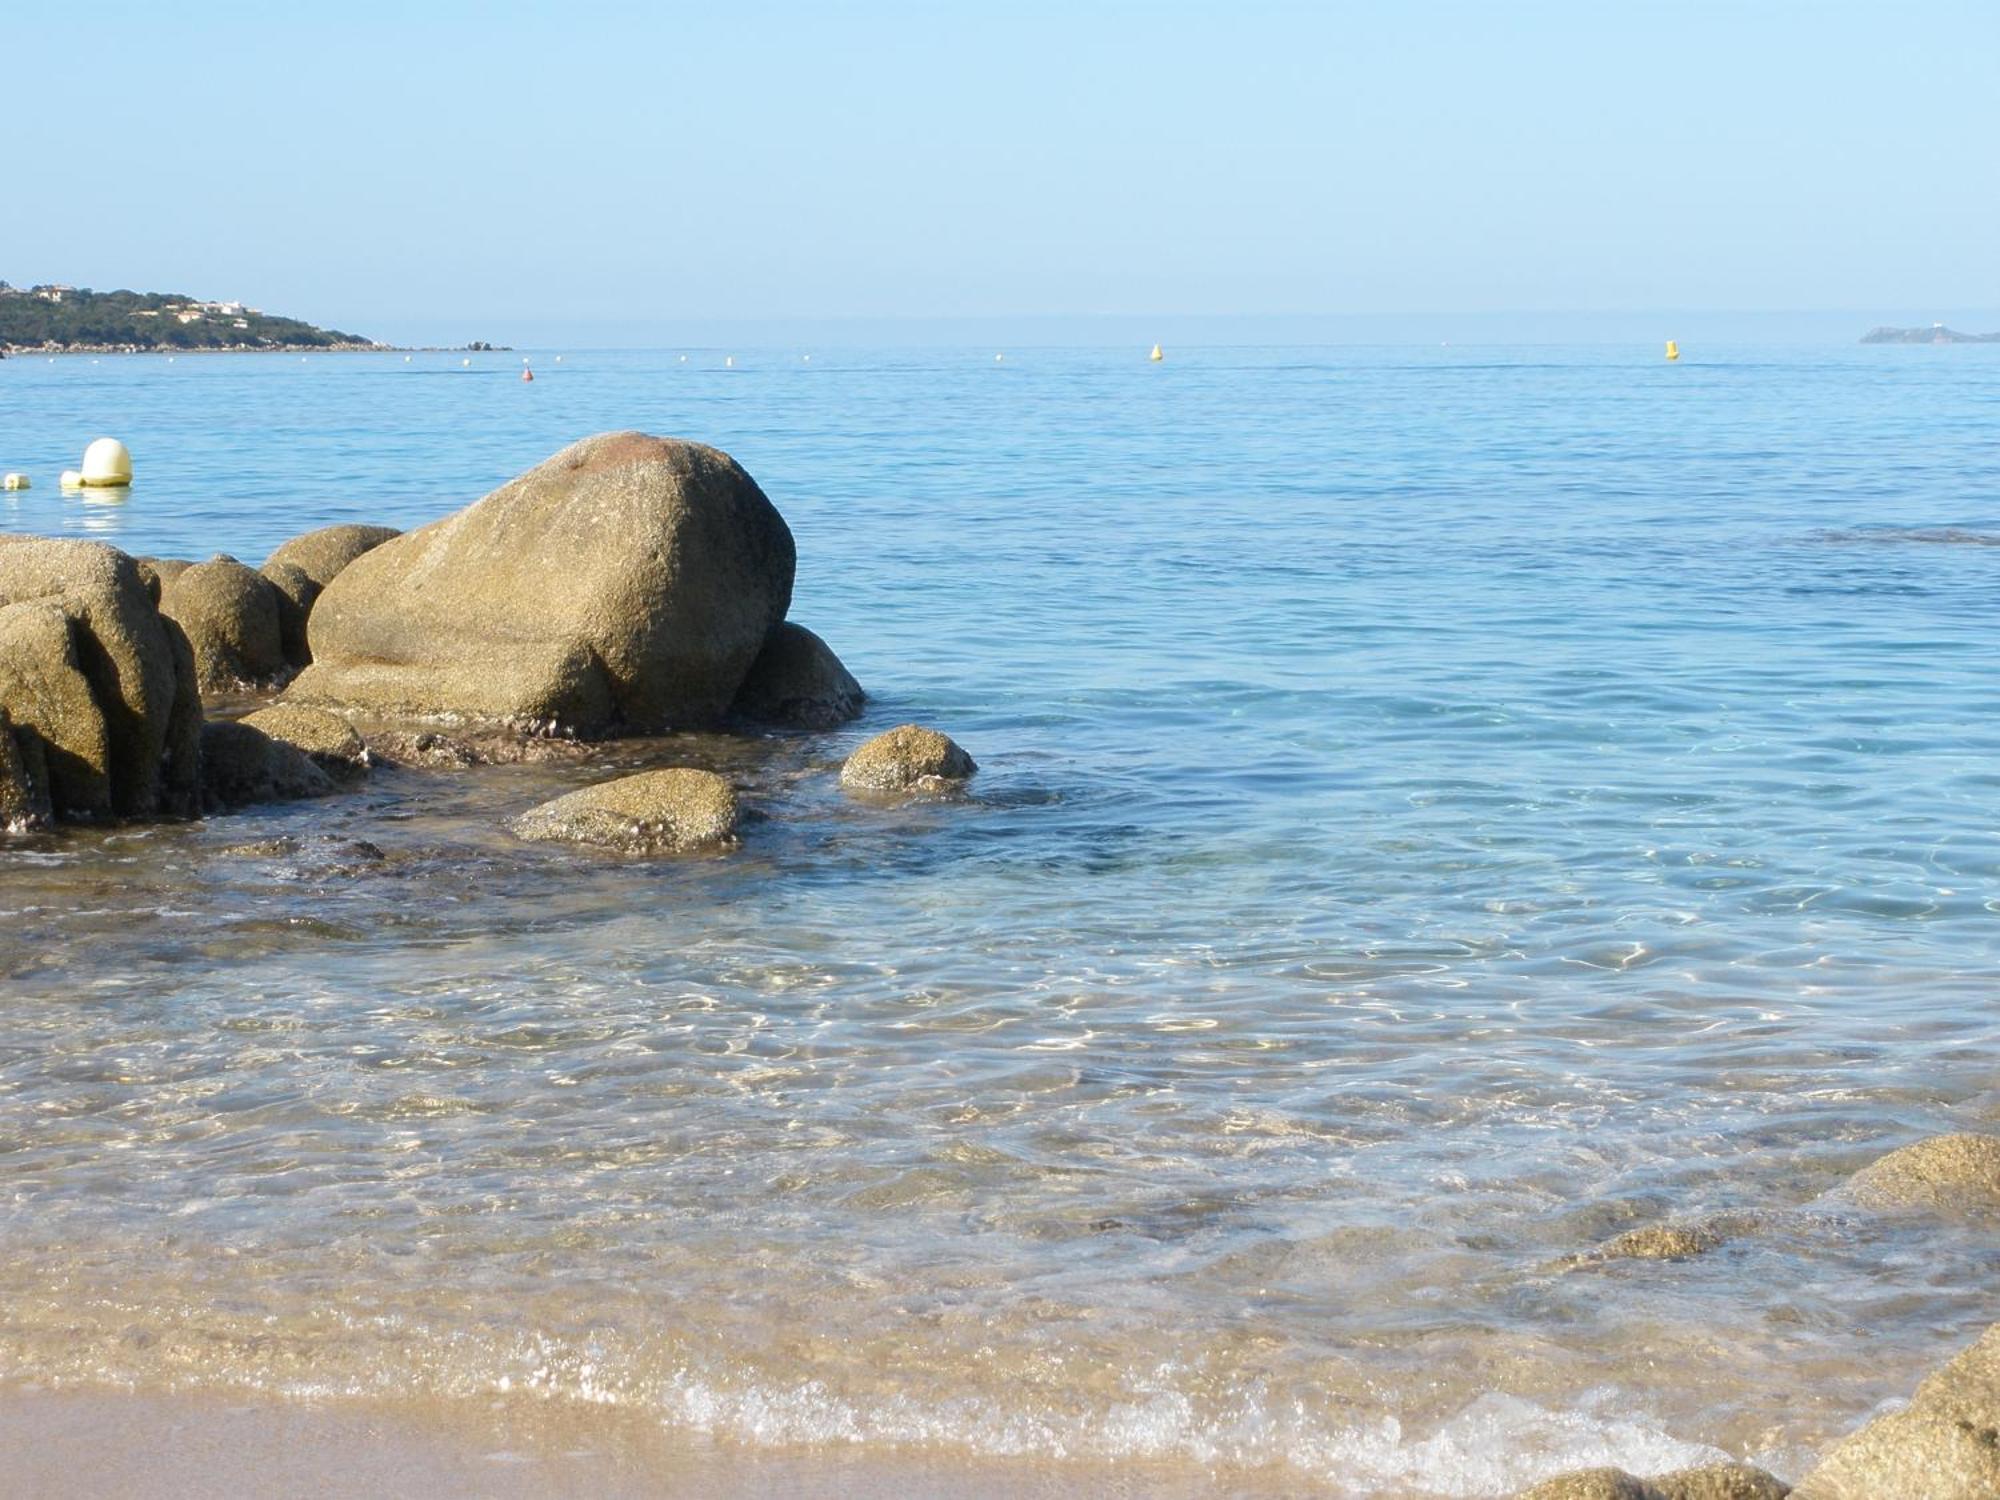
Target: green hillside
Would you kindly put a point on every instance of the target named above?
(58, 318)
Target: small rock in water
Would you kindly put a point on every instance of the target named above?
(241, 764)
(908, 758)
(679, 811)
(1590, 1484)
(1949, 1173)
(797, 682)
(333, 743)
(1724, 1481)
(1721, 1482)
(1660, 1242)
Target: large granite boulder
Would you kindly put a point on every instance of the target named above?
(624, 586)
(905, 760)
(241, 764)
(49, 700)
(121, 646)
(797, 682)
(678, 811)
(24, 781)
(231, 616)
(1945, 1445)
(321, 554)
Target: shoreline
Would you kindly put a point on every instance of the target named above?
(96, 1441)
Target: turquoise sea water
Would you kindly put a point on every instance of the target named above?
(1438, 808)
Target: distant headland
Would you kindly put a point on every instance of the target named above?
(1937, 333)
(74, 320)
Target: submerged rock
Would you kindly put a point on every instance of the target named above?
(24, 781)
(908, 758)
(50, 704)
(330, 741)
(624, 586)
(1590, 1484)
(1721, 1482)
(230, 614)
(1724, 1481)
(797, 682)
(434, 751)
(1949, 1173)
(679, 811)
(241, 764)
(121, 646)
(1945, 1445)
(1657, 1242)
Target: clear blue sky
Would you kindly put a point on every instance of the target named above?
(402, 168)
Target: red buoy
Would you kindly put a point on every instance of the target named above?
(527, 374)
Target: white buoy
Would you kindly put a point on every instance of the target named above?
(558, 359)
(998, 358)
(466, 363)
(14, 482)
(729, 362)
(106, 462)
(406, 359)
(71, 480)
(684, 360)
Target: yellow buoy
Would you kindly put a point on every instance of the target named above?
(1673, 350)
(106, 463)
(1156, 356)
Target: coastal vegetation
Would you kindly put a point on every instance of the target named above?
(63, 319)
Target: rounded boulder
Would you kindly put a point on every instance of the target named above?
(231, 617)
(321, 554)
(797, 682)
(330, 741)
(624, 586)
(907, 759)
(1948, 1173)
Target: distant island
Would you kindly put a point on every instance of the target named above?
(1937, 333)
(70, 320)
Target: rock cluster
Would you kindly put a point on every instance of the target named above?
(629, 585)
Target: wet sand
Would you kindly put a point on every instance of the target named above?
(81, 1444)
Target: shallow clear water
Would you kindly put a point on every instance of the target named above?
(1438, 809)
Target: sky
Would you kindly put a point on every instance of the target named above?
(449, 170)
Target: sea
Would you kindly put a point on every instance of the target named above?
(1439, 808)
